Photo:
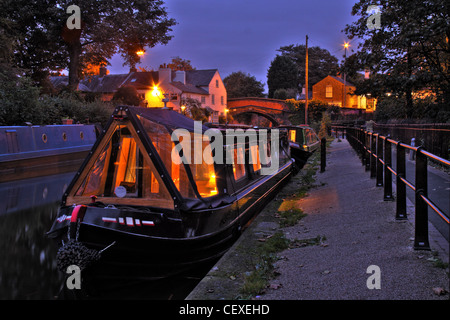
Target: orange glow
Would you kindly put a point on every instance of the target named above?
(212, 184)
(346, 45)
(156, 92)
(140, 52)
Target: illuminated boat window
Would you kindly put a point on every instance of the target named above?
(239, 162)
(292, 134)
(254, 157)
(122, 171)
(203, 172)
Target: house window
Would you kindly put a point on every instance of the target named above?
(221, 100)
(329, 92)
(213, 99)
(217, 83)
(203, 99)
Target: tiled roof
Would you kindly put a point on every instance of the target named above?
(140, 80)
(200, 77)
(342, 81)
(188, 87)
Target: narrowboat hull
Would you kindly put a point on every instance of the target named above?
(34, 151)
(152, 244)
(299, 154)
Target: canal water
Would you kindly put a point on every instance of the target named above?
(28, 258)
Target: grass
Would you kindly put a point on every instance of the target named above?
(290, 217)
(265, 255)
(263, 271)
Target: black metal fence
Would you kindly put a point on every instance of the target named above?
(375, 151)
(435, 138)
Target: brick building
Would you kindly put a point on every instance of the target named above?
(331, 90)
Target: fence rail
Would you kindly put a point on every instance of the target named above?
(376, 155)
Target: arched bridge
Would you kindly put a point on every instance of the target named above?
(274, 110)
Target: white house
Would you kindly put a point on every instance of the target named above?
(154, 87)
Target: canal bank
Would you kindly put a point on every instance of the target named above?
(348, 246)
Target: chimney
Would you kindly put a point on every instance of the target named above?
(164, 74)
(103, 71)
(180, 76)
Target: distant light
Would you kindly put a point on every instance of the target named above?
(140, 52)
(346, 45)
(156, 92)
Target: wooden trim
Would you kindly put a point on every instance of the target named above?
(72, 198)
(160, 203)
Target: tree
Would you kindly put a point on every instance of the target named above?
(178, 64)
(284, 94)
(282, 74)
(409, 51)
(321, 62)
(316, 109)
(127, 95)
(240, 84)
(45, 42)
(194, 110)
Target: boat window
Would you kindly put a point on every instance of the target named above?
(122, 171)
(254, 157)
(292, 134)
(239, 161)
(203, 173)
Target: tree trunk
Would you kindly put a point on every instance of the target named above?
(74, 64)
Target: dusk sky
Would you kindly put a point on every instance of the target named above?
(243, 35)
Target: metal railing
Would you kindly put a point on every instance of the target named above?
(376, 155)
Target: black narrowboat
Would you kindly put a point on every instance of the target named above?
(157, 213)
(303, 142)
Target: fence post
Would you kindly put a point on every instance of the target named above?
(387, 173)
(362, 142)
(367, 144)
(400, 213)
(421, 219)
(323, 154)
(379, 163)
(373, 164)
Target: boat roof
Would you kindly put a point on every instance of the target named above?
(166, 117)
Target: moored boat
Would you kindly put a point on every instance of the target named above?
(303, 142)
(164, 193)
(33, 151)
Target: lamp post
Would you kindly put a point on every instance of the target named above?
(165, 100)
(226, 117)
(157, 93)
(346, 44)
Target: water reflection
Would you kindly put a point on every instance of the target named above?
(28, 258)
(27, 210)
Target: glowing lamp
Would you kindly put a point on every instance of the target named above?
(156, 92)
(140, 52)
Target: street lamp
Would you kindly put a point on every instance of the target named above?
(346, 45)
(157, 93)
(226, 117)
(183, 108)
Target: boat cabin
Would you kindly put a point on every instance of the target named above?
(159, 158)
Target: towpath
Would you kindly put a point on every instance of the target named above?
(364, 253)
